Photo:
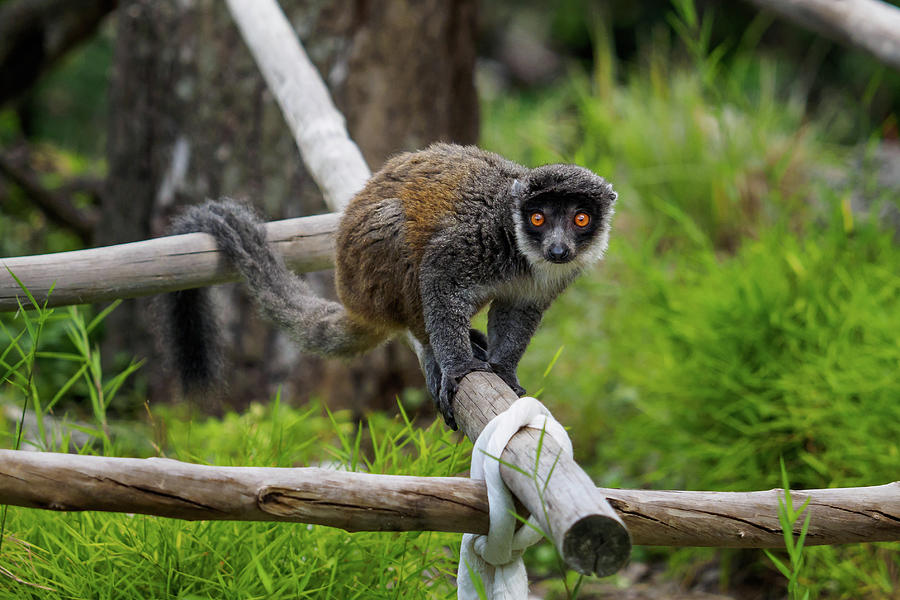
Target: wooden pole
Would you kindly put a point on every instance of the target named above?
(750, 519)
(366, 502)
(169, 488)
(870, 25)
(331, 157)
(586, 531)
(155, 266)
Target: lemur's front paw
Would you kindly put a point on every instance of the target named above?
(444, 399)
(450, 384)
(510, 378)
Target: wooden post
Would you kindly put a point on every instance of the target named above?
(331, 157)
(586, 531)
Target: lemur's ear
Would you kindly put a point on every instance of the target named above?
(517, 188)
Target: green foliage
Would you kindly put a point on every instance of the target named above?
(72, 99)
(97, 555)
(74, 371)
(701, 370)
(744, 313)
(772, 352)
(676, 156)
(134, 556)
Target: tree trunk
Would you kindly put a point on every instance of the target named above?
(191, 118)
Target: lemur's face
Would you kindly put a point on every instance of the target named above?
(561, 229)
(562, 215)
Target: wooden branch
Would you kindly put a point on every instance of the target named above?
(169, 488)
(589, 535)
(366, 502)
(871, 25)
(333, 159)
(750, 519)
(155, 266)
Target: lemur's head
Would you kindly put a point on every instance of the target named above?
(562, 215)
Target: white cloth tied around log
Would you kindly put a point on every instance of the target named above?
(496, 558)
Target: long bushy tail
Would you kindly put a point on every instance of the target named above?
(318, 325)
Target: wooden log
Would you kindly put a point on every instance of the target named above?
(155, 266)
(870, 25)
(169, 488)
(750, 519)
(570, 510)
(331, 157)
(366, 502)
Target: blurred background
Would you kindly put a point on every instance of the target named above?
(747, 312)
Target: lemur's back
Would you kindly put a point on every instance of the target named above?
(387, 226)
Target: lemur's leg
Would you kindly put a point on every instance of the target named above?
(510, 327)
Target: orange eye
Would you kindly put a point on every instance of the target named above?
(582, 219)
(537, 219)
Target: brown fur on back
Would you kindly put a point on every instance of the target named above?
(387, 226)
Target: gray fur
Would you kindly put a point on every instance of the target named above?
(317, 325)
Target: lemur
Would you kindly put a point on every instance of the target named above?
(431, 239)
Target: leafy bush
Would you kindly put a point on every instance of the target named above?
(745, 314)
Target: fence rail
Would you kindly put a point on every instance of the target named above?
(368, 502)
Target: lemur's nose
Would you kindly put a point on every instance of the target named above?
(558, 253)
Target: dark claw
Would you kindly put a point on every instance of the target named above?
(509, 378)
(450, 385)
(444, 400)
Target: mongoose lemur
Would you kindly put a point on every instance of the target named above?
(432, 238)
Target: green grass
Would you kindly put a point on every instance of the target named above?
(702, 371)
(771, 352)
(98, 555)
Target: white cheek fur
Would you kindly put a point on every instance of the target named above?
(534, 256)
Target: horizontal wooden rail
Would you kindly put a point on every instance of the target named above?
(155, 266)
(367, 502)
